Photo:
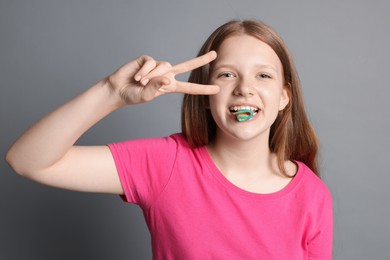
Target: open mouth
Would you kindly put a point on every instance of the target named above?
(243, 113)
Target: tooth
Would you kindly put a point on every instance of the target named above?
(237, 108)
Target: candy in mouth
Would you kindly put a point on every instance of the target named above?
(243, 115)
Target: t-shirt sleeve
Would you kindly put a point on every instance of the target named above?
(320, 243)
(144, 167)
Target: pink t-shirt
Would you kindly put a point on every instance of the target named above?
(194, 212)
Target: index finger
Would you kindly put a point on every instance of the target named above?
(194, 63)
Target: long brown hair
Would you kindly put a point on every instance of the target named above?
(291, 136)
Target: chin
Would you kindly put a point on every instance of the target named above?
(247, 135)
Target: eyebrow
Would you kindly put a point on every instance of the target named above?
(231, 66)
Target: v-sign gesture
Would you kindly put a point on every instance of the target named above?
(144, 79)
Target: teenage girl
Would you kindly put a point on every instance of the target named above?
(240, 181)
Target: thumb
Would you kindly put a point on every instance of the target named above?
(155, 88)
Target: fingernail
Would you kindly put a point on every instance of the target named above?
(145, 81)
(137, 77)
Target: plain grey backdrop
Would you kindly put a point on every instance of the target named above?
(51, 50)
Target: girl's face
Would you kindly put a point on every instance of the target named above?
(250, 75)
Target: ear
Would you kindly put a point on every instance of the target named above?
(284, 97)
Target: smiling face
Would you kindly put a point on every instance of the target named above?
(250, 76)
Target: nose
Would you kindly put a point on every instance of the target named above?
(244, 88)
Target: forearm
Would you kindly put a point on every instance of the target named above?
(47, 141)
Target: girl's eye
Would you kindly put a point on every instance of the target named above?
(264, 76)
(226, 75)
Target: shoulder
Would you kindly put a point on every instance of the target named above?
(312, 184)
(154, 148)
(179, 139)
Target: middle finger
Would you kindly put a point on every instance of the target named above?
(194, 63)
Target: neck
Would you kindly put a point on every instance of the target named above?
(249, 157)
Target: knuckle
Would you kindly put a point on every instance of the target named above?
(166, 64)
(145, 57)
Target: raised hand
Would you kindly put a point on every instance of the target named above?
(144, 79)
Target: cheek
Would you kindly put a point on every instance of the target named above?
(271, 100)
(218, 106)
(220, 98)
(214, 102)
(269, 95)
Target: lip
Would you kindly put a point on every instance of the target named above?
(246, 106)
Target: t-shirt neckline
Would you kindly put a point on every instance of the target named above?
(232, 187)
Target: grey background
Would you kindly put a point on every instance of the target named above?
(50, 51)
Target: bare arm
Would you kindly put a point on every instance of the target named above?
(46, 152)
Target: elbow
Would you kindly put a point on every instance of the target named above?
(9, 158)
(13, 162)
(22, 164)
